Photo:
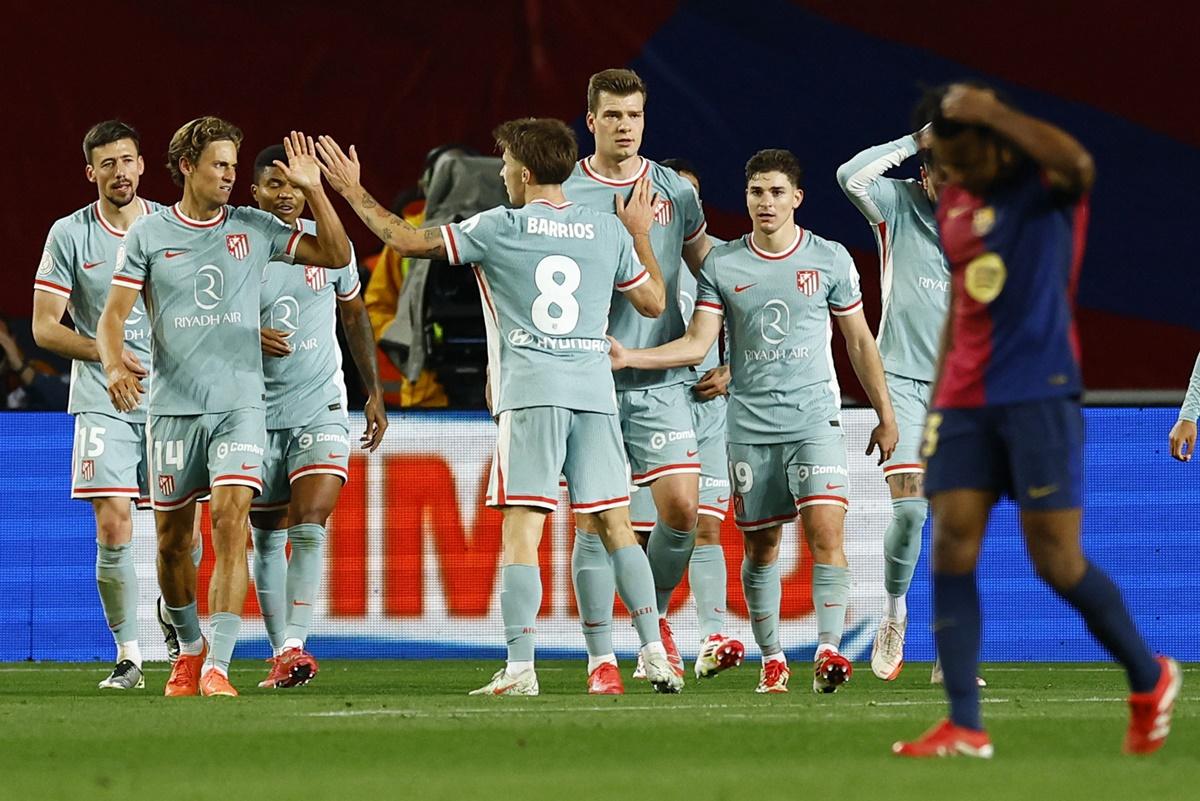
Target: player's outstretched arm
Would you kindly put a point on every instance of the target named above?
(344, 174)
(124, 387)
(637, 215)
(859, 177)
(330, 247)
(690, 349)
(864, 356)
(1183, 433)
(356, 322)
(1066, 162)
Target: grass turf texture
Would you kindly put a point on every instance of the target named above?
(408, 730)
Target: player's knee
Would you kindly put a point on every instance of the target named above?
(309, 512)
(113, 530)
(911, 515)
(174, 544)
(708, 531)
(761, 552)
(679, 512)
(825, 542)
(1060, 567)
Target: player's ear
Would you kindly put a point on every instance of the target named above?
(799, 197)
(141, 165)
(526, 176)
(591, 122)
(90, 173)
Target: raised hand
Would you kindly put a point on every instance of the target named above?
(302, 169)
(637, 213)
(343, 172)
(969, 105)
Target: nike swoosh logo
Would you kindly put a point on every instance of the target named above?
(743, 287)
(1042, 492)
(692, 453)
(300, 603)
(589, 624)
(335, 456)
(831, 606)
(719, 611)
(87, 265)
(834, 486)
(170, 254)
(761, 619)
(723, 500)
(248, 466)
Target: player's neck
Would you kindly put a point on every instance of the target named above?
(121, 217)
(196, 209)
(778, 241)
(551, 193)
(615, 170)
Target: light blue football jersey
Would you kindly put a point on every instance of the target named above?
(201, 281)
(914, 273)
(77, 264)
(307, 383)
(687, 306)
(1190, 409)
(679, 219)
(546, 277)
(777, 309)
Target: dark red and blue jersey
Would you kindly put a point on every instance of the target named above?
(1014, 261)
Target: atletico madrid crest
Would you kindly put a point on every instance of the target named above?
(808, 281)
(88, 469)
(238, 245)
(664, 213)
(315, 278)
(166, 484)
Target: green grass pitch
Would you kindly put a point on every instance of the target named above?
(375, 730)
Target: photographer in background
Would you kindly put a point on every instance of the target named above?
(28, 385)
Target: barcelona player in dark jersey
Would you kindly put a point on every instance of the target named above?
(1005, 415)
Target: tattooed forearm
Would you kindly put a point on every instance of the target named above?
(396, 232)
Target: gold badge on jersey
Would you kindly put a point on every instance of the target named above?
(983, 221)
(984, 277)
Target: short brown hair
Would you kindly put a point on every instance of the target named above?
(775, 160)
(546, 147)
(619, 82)
(107, 132)
(191, 139)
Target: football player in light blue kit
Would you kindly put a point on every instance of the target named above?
(308, 434)
(776, 289)
(200, 267)
(546, 273)
(108, 459)
(915, 280)
(1183, 434)
(707, 575)
(656, 420)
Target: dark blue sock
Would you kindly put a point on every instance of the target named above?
(956, 624)
(1099, 601)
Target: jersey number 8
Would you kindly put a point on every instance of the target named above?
(556, 295)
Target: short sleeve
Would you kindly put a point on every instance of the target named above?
(845, 294)
(708, 296)
(132, 266)
(54, 273)
(694, 224)
(467, 241)
(630, 272)
(347, 285)
(282, 239)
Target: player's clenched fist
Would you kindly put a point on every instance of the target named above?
(1183, 440)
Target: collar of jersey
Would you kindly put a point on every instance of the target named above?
(543, 202)
(188, 221)
(109, 227)
(595, 176)
(762, 254)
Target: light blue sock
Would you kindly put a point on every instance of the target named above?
(225, 628)
(595, 588)
(520, 600)
(707, 576)
(303, 577)
(764, 592)
(186, 622)
(270, 581)
(116, 580)
(668, 550)
(902, 543)
(635, 584)
(830, 591)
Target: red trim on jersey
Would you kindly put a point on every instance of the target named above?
(105, 224)
(823, 498)
(587, 170)
(881, 226)
(127, 281)
(487, 295)
(500, 482)
(167, 506)
(584, 507)
(766, 521)
(1079, 226)
(543, 202)
(453, 245)
(351, 295)
(687, 240)
(762, 254)
(94, 490)
(642, 526)
(318, 468)
(903, 468)
(237, 478)
(683, 467)
(710, 306)
(714, 511)
(50, 286)
(188, 221)
(293, 242)
(633, 282)
(847, 310)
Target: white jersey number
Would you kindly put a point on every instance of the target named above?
(557, 295)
